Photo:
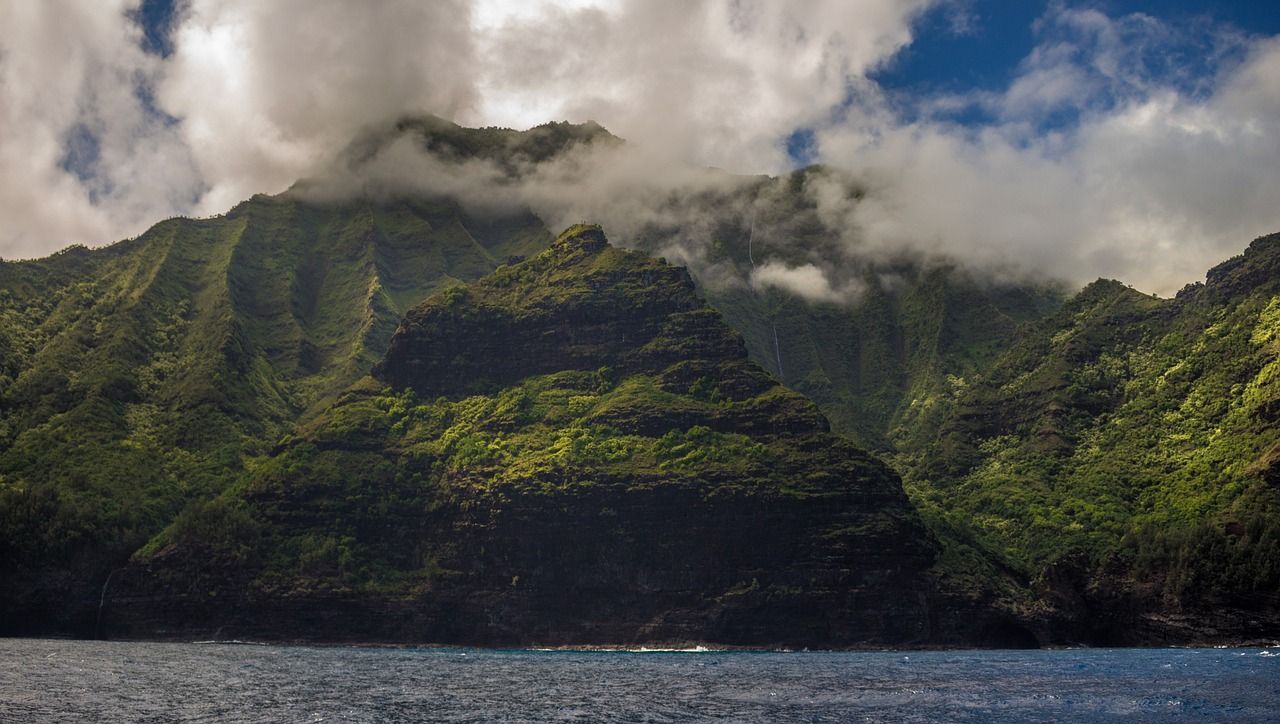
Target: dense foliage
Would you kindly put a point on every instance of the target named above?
(622, 400)
(139, 377)
(883, 353)
(661, 406)
(1130, 438)
(203, 375)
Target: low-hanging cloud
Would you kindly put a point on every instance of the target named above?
(807, 281)
(1104, 156)
(266, 91)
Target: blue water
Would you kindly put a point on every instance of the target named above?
(104, 681)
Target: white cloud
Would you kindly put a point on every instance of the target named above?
(263, 92)
(1159, 180)
(806, 281)
(716, 82)
(1125, 146)
(72, 70)
(266, 91)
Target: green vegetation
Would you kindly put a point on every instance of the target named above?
(380, 493)
(886, 362)
(211, 379)
(1129, 436)
(139, 377)
(380, 455)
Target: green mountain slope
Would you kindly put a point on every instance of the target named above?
(1124, 454)
(884, 358)
(138, 377)
(1104, 470)
(574, 449)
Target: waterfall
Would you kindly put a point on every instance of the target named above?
(102, 599)
(751, 236)
(777, 351)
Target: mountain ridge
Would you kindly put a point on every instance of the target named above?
(513, 518)
(141, 381)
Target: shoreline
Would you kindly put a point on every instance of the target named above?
(649, 648)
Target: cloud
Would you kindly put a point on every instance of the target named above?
(714, 82)
(254, 95)
(1157, 178)
(806, 281)
(266, 91)
(1123, 146)
(82, 159)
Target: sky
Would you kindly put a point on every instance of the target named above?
(1074, 138)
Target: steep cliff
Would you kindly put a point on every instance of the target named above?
(137, 378)
(573, 449)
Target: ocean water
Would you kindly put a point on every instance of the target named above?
(55, 680)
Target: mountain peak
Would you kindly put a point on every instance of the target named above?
(589, 458)
(580, 305)
(450, 141)
(1258, 266)
(587, 237)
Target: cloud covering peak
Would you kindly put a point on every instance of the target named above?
(1124, 146)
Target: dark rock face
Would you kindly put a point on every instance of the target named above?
(617, 564)
(618, 474)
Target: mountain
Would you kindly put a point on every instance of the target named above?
(1097, 467)
(883, 355)
(139, 377)
(147, 376)
(1124, 456)
(574, 449)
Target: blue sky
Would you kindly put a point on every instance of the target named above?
(970, 47)
(994, 36)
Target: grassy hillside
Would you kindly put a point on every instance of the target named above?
(142, 376)
(1114, 452)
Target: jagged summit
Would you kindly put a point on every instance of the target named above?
(588, 237)
(1258, 266)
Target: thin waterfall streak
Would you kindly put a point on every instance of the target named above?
(777, 351)
(102, 599)
(751, 236)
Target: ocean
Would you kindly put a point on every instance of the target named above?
(61, 680)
